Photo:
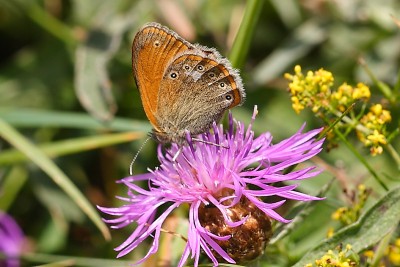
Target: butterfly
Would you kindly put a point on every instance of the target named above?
(184, 87)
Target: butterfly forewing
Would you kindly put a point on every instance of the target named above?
(152, 49)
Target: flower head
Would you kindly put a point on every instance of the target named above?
(11, 237)
(223, 185)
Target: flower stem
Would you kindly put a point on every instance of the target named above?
(361, 158)
(396, 157)
(380, 251)
(396, 89)
(384, 88)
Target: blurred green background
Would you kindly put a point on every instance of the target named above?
(66, 85)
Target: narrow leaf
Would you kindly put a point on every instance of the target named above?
(50, 118)
(39, 158)
(71, 146)
(378, 221)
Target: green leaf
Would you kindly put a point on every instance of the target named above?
(71, 146)
(39, 158)
(50, 118)
(57, 260)
(11, 185)
(92, 84)
(378, 221)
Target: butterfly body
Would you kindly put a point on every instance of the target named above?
(184, 87)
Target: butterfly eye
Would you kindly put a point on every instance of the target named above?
(228, 97)
(211, 75)
(186, 67)
(222, 85)
(200, 67)
(156, 43)
(173, 75)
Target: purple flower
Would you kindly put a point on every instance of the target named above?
(223, 186)
(11, 241)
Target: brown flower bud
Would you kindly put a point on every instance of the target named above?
(248, 241)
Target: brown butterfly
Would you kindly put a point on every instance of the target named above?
(183, 86)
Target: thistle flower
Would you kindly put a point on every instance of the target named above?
(223, 186)
(11, 238)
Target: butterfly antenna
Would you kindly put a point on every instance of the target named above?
(136, 155)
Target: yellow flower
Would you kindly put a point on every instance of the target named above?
(394, 257)
(330, 232)
(384, 117)
(361, 91)
(369, 254)
(311, 90)
(394, 252)
(337, 258)
(297, 69)
(348, 215)
(376, 109)
(376, 138)
(361, 187)
(375, 120)
(376, 150)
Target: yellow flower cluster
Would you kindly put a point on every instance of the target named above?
(314, 90)
(338, 258)
(392, 254)
(348, 215)
(310, 90)
(375, 121)
(346, 95)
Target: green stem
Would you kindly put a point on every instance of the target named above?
(351, 122)
(381, 249)
(384, 88)
(243, 38)
(361, 158)
(339, 118)
(390, 149)
(51, 24)
(355, 123)
(396, 89)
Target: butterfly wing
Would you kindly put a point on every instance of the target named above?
(198, 86)
(153, 47)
